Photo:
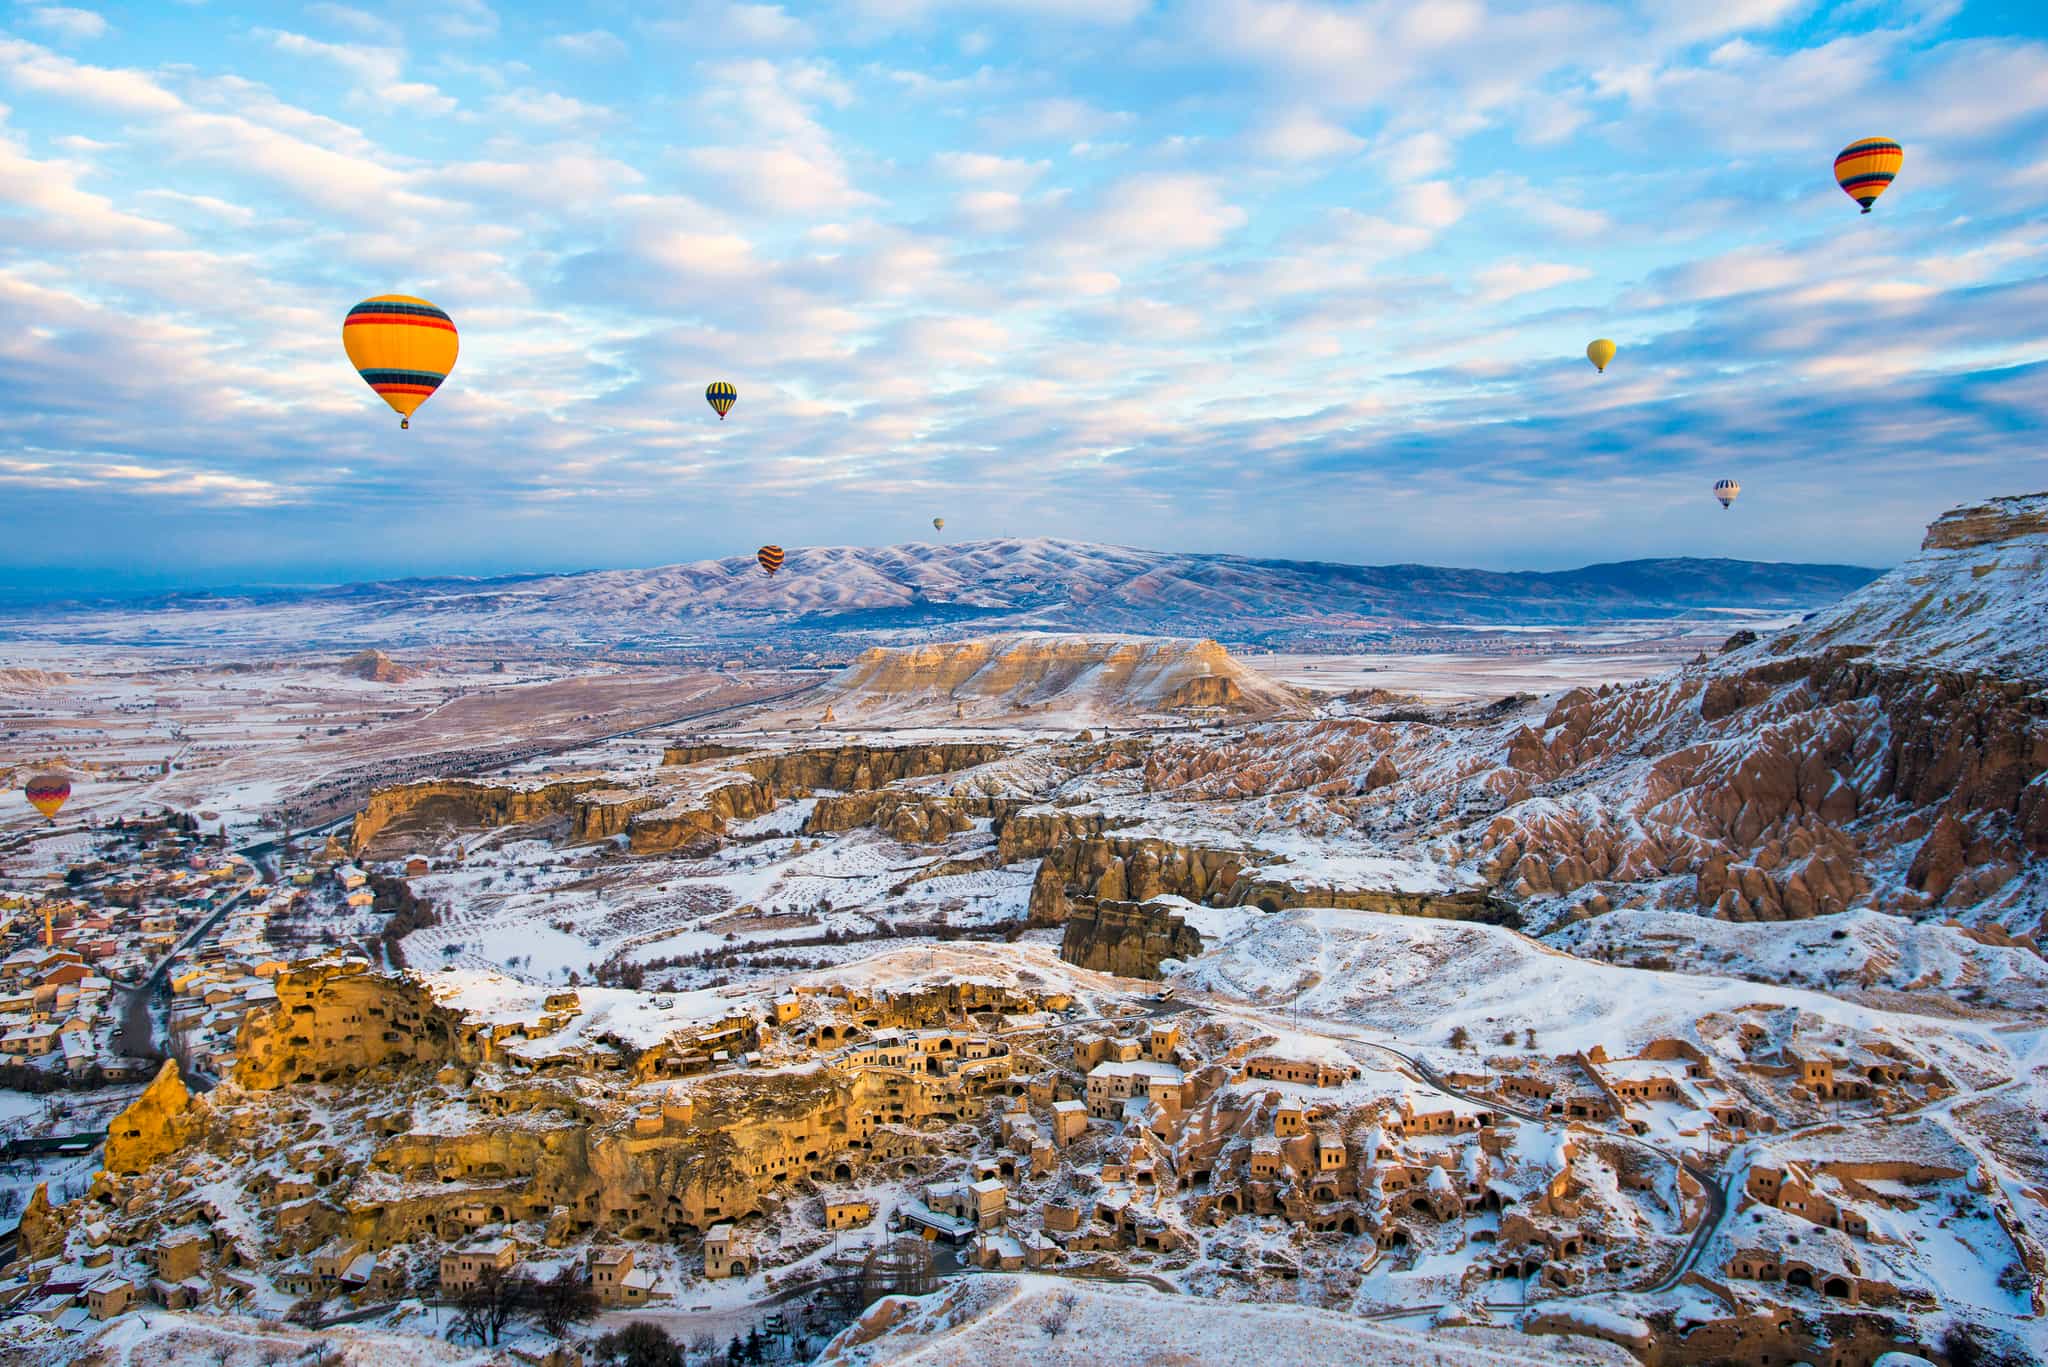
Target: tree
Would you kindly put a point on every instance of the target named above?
(639, 1344)
(560, 1301)
(1461, 1038)
(487, 1305)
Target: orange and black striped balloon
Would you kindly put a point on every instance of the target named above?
(48, 793)
(1865, 168)
(770, 558)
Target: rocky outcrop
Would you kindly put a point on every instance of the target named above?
(696, 752)
(1209, 691)
(1129, 939)
(1105, 675)
(374, 666)
(856, 768)
(335, 1020)
(604, 814)
(41, 1232)
(685, 823)
(155, 1125)
(1988, 524)
(1131, 869)
(465, 802)
(913, 818)
(1270, 893)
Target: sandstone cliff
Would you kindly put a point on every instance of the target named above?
(1889, 752)
(156, 1124)
(1069, 676)
(464, 802)
(1129, 939)
(334, 1021)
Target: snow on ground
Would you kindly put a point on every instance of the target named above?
(1860, 953)
(163, 1338)
(1036, 1321)
(1418, 978)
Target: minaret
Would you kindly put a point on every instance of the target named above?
(49, 926)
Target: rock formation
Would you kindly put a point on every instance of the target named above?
(377, 667)
(1129, 939)
(465, 802)
(157, 1123)
(1092, 675)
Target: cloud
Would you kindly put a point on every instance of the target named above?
(1301, 135)
(594, 45)
(463, 19)
(982, 168)
(1512, 278)
(377, 71)
(78, 25)
(1156, 214)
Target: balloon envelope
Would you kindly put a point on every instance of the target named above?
(1865, 168)
(770, 558)
(1600, 353)
(1727, 490)
(939, 524)
(48, 793)
(721, 396)
(402, 347)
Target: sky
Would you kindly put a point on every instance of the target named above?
(1276, 277)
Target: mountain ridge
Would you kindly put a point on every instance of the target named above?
(974, 587)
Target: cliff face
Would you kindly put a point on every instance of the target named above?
(913, 818)
(855, 768)
(1129, 939)
(679, 825)
(335, 1021)
(1891, 752)
(1103, 676)
(463, 802)
(1131, 869)
(155, 1125)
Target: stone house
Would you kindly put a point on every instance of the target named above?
(848, 1214)
(615, 1281)
(111, 1296)
(726, 1254)
(463, 1268)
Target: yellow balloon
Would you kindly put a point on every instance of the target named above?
(403, 348)
(1600, 353)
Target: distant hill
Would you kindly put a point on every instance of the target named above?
(955, 589)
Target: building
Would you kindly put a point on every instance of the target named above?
(727, 1254)
(463, 1268)
(615, 1281)
(848, 1214)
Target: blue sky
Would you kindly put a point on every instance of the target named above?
(1276, 277)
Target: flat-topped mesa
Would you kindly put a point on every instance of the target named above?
(1067, 674)
(1986, 524)
(466, 802)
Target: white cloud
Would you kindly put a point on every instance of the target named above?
(1302, 135)
(1156, 214)
(593, 45)
(1512, 278)
(79, 25)
(1432, 204)
(981, 168)
(377, 71)
(1416, 156)
(463, 19)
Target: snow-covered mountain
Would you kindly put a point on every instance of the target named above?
(955, 589)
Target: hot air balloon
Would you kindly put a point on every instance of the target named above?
(938, 524)
(1864, 169)
(1600, 353)
(48, 793)
(1727, 490)
(770, 558)
(721, 396)
(402, 347)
